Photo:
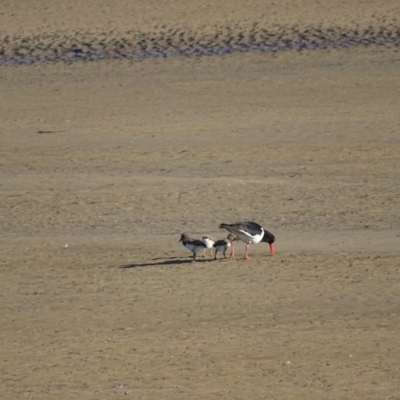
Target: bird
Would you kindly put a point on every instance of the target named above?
(250, 232)
(194, 245)
(209, 242)
(223, 245)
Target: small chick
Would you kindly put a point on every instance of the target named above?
(223, 245)
(209, 242)
(193, 245)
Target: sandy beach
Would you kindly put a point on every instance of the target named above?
(105, 162)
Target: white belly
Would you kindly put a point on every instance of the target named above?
(208, 242)
(194, 248)
(247, 238)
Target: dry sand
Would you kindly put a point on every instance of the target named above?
(117, 158)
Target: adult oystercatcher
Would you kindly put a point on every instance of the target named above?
(250, 232)
(223, 245)
(194, 245)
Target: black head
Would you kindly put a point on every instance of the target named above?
(268, 237)
(184, 236)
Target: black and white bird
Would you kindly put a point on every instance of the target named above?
(209, 242)
(193, 245)
(250, 232)
(223, 245)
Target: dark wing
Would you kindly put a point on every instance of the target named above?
(251, 227)
(220, 242)
(247, 226)
(196, 242)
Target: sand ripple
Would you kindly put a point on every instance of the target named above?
(174, 41)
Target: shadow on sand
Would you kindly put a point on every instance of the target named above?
(166, 261)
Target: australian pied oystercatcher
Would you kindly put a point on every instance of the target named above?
(194, 245)
(250, 232)
(223, 245)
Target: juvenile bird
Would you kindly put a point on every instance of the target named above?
(223, 245)
(209, 242)
(193, 245)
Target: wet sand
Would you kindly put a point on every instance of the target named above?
(104, 164)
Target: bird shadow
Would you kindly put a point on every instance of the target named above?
(166, 261)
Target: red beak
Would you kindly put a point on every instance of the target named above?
(272, 249)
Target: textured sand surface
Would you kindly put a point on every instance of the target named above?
(37, 31)
(104, 164)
